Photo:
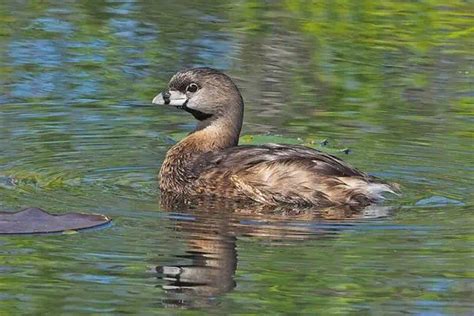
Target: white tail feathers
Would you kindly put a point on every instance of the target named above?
(374, 190)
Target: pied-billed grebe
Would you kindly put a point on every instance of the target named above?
(209, 162)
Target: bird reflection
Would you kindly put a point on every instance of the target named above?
(213, 261)
(211, 229)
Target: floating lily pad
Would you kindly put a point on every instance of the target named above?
(259, 139)
(36, 221)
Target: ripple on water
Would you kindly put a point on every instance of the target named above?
(77, 134)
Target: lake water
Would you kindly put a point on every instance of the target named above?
(391, 81)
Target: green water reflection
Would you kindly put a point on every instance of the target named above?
(393, 81)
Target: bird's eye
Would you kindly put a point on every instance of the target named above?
(192, 87)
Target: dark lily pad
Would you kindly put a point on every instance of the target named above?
(36, 221)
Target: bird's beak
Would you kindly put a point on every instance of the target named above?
(170, 97)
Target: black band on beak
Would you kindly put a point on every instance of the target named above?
(166, 96)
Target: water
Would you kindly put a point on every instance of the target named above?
(392, 82)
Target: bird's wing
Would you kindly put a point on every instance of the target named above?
(242, 158)
(290, 174)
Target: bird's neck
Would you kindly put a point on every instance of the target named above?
(209, 135)
(215, 133)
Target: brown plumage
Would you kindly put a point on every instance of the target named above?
(209, 162)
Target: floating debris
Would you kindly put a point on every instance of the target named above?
(437, 200)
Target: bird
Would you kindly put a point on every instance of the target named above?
(210, 162)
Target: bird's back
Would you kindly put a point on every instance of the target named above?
(275, 174)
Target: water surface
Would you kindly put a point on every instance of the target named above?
(392, 82)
